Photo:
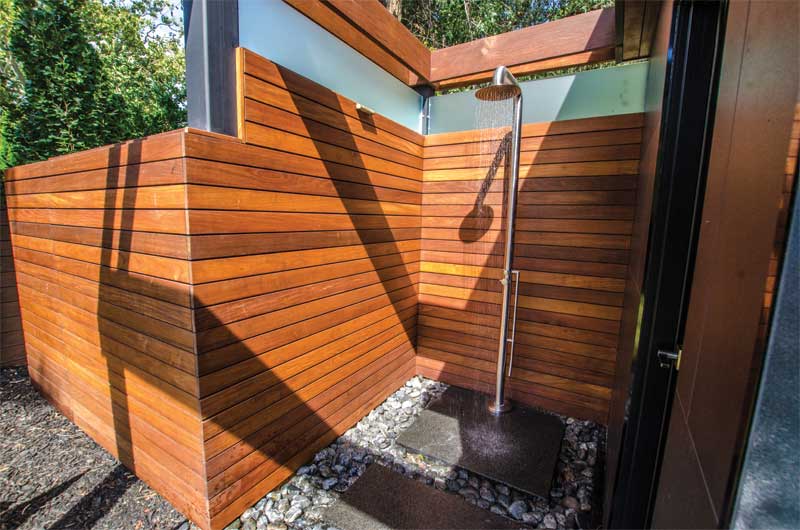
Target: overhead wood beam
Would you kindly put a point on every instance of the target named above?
(383, 27)
(565, 61)
(568, 37)
(367, 27)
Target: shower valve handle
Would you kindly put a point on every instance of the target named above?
(513, 320)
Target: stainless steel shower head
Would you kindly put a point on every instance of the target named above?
(504, 85)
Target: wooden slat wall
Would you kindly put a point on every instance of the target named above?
(306, 247)
(579, 39)
(576, 204)
(102, 264)
(12, 344)
(214, 310)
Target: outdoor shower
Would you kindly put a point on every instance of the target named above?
(504, 86)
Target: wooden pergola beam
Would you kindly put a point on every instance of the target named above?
(568, 37)
(367, 27)
(565, 61)
(383, 27)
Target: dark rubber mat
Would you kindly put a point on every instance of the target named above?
(382, 499)
(519, 448)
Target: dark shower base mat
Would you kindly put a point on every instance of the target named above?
(382, 499)
(519, 448)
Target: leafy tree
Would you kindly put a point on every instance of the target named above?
(443, 23)
(81, 73)
(10, 80)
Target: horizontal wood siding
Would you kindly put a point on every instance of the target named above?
(576, 203)
(12, 343)
(214, 310)
(305, 240)
(101, 251)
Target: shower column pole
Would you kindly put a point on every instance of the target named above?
(501, 404)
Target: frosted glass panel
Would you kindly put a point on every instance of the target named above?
(275, 30)
(607, 91)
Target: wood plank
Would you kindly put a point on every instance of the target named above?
(233, 311)
(235, 267)
(567, 169)
(160, 267)
(359, 40)
(238, 288)
(166, 245)
(247, 498)
(173, 292)
(266, 70)
(162, 146)
(162, 221)
(212, 222)
(545, 156)
(590, 31)
(339, 135)
(384, 28)
(543, 65)
(547, 128)
(230, 245)
(329, 153)
(230, 152)
(275, 96)
(531, 142)
(229, 431)
(224, 198)
(162, 172)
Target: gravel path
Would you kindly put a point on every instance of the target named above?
(54, 476)
(300, 503)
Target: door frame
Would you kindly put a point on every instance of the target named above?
(693, 65)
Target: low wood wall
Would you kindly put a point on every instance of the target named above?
(576, 201)
(101, 250)
(305, 239)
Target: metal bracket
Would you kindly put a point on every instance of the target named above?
(668, 358)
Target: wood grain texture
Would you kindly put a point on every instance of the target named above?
(568, 36)
(12, 343)
(639, 21)
(384, 28)
(102, 266)
(214, 310)
(307, 245)
(360, 39)
(531, 67)
(576, 199)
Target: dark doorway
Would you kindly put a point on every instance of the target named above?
(695, 46)
(719, 208)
